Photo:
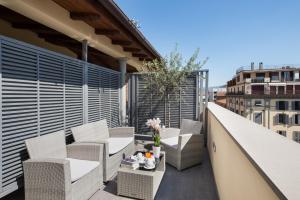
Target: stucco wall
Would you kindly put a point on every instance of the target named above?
(236, 177)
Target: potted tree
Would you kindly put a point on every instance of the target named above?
(165, 77)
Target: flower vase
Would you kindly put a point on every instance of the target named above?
(156, 151)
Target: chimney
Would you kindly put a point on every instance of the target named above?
(252, 66)
(261, 66)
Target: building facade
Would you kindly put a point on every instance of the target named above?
(270, 97)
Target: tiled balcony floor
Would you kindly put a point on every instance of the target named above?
(196, 183)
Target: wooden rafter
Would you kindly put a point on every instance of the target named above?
(101, 31)
(84, 16)
(140, 55)
(121, 42)
(22, 25)
(131, 49)
(145, 59)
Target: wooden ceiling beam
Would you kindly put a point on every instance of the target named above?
(101, 31)
(131, 49)
(22, 25)
(140, 55)
(145, 59)
(58, 37)
(84, 16)
(121, 42)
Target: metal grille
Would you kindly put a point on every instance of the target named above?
(42, 92)
(144, 105)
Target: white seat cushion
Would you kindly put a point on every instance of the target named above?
(80, 168)
(116, 144)
(172, 141)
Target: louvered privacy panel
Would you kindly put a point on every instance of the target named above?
(42, 92)
(144, 105)
(103, 92)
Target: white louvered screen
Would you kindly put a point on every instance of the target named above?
(103, 95)
(19, 108)
(144, 104)
(94, 93)
(114, 99)
(42, 92)
(73, 94)
(51, 93)
(105, 105)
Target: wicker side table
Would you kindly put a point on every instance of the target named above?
(140, 184)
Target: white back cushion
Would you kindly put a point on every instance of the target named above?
(91, 131)
(52, 145)
(190, 126)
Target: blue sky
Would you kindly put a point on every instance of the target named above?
(232, 33)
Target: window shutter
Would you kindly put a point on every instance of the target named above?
(286, 119)
(291, 120)
(296, 119)
(275, 119)
(277, 105)
(286, 105)
(293, 105)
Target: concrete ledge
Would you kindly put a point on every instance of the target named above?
(275, 158)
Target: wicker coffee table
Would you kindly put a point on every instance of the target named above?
(141, 184)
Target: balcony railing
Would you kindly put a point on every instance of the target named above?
(246, 160)
(257, 80)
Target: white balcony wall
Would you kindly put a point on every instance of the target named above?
(250, 161)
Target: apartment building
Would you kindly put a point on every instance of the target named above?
(268, 96)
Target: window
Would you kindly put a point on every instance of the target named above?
(274, 76)
(296, 75)
(289, 89)
(258, 118)
(296, 136)
(297, 89)
(297, 119)
(260, 75)
(280, 89)
(282, 119)
(296, 105)
(242, 113)
(283, 133)
(248, 103)
(272, 90)
(282, 105)
(258, 103)
(246, 76)
(257, 89)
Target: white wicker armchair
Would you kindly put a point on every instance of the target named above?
(118, 143)
(59, 172)
(183, 147)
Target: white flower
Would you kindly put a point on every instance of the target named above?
(154, 123)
